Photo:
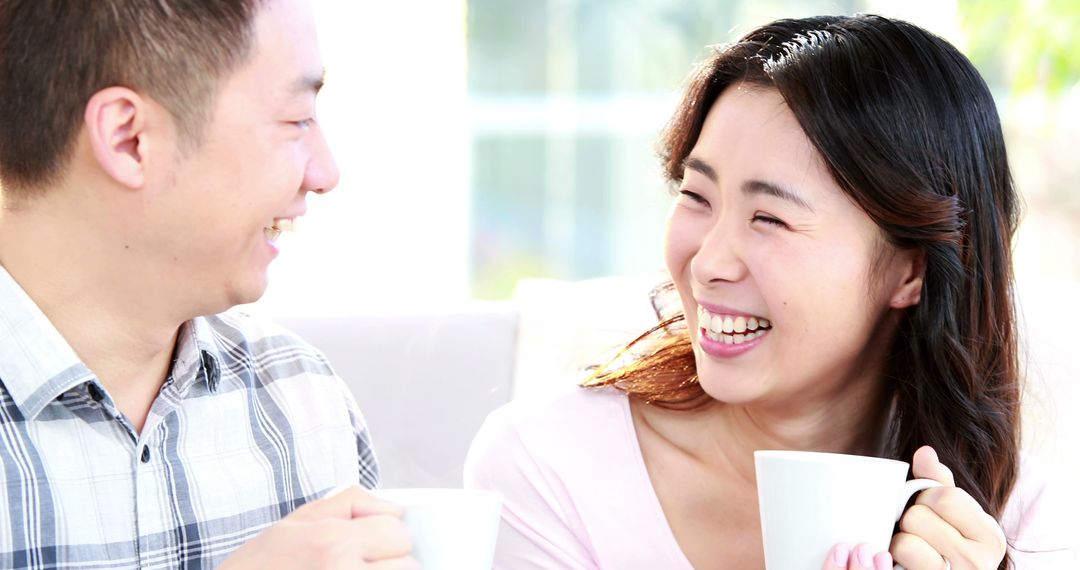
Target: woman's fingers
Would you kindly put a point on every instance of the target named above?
(924, 521)
(843, 557)
(837, 558)
(954, 506)
(934, 533)
(914, 553)
(926, 465)
(960, 511)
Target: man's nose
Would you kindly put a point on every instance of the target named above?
(322, 173)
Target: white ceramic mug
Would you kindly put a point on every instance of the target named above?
(811, 501)
(452, 529)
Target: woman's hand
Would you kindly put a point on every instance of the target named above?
(841, 557)
(946, 526)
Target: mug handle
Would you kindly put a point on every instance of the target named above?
(910, 488)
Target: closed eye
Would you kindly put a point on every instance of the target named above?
(695, 197)
(764, 218)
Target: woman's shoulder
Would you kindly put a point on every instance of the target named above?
(566, 432)
(1038, 518)
(562, 421)
(577, 405)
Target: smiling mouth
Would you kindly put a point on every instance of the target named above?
(732, 329)
(277, 226)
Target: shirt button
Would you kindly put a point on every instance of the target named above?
(146, 454)
(95, 392)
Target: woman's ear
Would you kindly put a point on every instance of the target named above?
(115, 122)
(912, 266)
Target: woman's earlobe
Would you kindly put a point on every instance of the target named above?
(905, 300)
(909, 293)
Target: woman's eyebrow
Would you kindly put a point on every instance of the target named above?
(699, 165)
(770, 189)
(748, 187)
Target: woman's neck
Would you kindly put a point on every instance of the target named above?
(724, 436)
(853, 423)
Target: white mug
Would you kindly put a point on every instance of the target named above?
(452, 529)
(810, 501)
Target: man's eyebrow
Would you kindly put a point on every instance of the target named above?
(748, 187)
(309, 83)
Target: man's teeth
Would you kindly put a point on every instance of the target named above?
(280, 225)
(732, 329)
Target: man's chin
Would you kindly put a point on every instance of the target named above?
(236, 295)
(248, 295)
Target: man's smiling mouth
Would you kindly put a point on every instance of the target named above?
(279, 225)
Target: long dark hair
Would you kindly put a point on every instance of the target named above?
(910, 132)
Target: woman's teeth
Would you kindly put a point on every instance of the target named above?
(732, 329)
(733, 338)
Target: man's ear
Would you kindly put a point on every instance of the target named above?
(912, 266)
(116, 124)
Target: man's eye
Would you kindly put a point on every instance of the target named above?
(304, 123)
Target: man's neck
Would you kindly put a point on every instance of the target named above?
(101, 304)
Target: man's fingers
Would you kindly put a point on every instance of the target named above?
(348, 503)
(407, 563)
(382, 537)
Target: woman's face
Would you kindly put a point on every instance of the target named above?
(775, 265)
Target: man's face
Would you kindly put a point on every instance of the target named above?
(260, 155)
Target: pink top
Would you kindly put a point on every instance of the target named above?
(577, 494)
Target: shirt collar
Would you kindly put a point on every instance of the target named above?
(197, 357)
(37, 365)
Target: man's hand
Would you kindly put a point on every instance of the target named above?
(348, 530)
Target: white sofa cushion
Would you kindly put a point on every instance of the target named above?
(425, 382)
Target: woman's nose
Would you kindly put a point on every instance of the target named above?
(719, 257)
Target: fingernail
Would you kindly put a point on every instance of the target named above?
(840, 554)
(883, 561)
(866, 558)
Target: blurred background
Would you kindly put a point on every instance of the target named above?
(485, 141)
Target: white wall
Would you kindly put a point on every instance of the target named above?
(394, 233)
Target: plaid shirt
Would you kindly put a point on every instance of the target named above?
(251, 424)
